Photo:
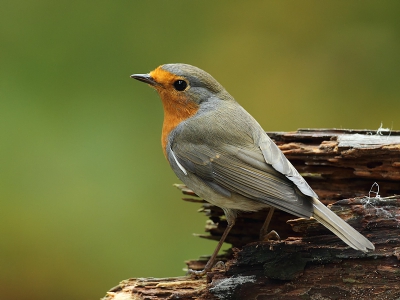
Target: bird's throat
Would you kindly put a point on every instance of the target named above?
(176, 110)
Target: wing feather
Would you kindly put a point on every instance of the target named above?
(274, 156)
(242, 171)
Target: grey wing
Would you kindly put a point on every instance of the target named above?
(230, 169)
(274, 156)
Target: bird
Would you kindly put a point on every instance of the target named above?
(218, 150)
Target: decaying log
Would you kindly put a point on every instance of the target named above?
(358, 173)
(341, 164)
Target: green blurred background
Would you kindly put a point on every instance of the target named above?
(86, 194)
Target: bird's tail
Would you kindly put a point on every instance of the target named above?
(339, 227)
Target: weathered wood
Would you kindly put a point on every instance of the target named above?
(341, 164)
(309, 262)
(158, 288)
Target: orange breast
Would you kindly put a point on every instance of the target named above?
(174, 113)
(177, 106)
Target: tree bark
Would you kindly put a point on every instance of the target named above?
(351, 170)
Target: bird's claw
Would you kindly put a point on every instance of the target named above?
(219, 265)
(199, 273)
(272, 235)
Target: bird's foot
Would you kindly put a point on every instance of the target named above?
(199, 273)
(272, 235)
(220, 265)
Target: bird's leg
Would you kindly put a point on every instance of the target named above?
(210, 262)
(264, 234)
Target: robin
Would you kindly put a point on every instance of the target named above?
(220, 151)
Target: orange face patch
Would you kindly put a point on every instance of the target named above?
(177, 105)
(163, 77)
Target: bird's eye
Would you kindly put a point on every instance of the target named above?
(180, 85)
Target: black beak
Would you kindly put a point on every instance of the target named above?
(145, 78)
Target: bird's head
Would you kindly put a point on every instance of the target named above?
(182, 84)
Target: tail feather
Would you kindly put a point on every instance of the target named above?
(339, 227)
